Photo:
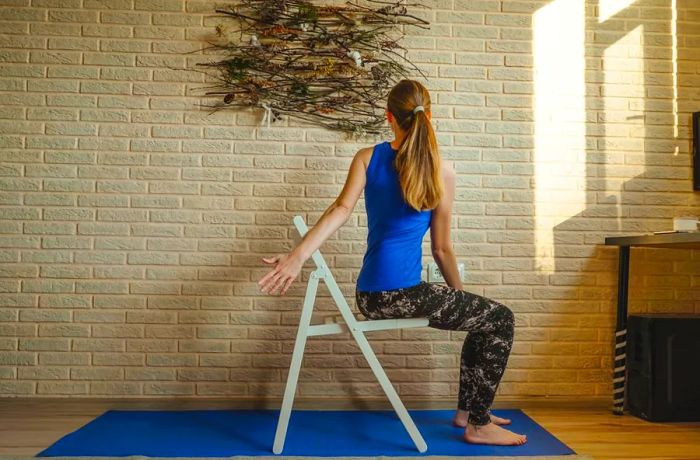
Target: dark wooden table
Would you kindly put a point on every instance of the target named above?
(676, 240)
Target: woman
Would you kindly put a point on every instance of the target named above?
(408, 189)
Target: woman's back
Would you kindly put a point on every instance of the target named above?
(393, 258)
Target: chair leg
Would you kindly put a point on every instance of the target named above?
(390, 391)
(371, 358)
(297, 356)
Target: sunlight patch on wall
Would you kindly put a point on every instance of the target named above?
(560, 117)
(623, 95)
(674, 58)
(609, 8)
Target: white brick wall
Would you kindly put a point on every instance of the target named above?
(132, 224)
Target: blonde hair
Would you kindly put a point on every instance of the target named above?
(417, 159)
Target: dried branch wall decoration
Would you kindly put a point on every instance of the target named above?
(330, 65)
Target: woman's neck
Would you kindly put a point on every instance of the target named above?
(396, 143)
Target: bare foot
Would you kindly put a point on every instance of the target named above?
(461, 416)
(492, 434)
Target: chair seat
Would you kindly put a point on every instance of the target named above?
(369, 325)
(393, 323)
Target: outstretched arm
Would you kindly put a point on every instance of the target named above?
(288, 266)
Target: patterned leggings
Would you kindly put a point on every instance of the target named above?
(486, 348)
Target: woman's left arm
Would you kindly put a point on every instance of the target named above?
(288, 266)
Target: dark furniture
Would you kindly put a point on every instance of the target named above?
(676, 240)
(663, 367)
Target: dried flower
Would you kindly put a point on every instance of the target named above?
(356, 56)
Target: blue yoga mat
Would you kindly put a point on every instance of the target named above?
(333, 433)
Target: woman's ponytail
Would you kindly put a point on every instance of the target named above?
(418, 159)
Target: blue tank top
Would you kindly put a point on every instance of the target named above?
(395, 230)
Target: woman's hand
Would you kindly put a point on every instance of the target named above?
(287, 268)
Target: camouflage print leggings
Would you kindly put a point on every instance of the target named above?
(486, 348)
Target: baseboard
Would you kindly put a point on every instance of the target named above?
(365, 403)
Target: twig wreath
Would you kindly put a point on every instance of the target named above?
(330, 65)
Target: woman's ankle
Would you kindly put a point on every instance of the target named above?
(473, 429)
(478, 420)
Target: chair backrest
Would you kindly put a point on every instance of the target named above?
(346, 313)
(316, 256)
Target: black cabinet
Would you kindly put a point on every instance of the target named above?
(663, 365)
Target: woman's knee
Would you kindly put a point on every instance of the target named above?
(505, 318)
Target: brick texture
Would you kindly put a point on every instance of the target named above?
(132, 221)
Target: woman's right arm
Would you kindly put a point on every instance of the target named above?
(440, 223)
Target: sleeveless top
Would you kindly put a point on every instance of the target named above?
(393, 259)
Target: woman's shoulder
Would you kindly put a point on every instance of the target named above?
(365, 154)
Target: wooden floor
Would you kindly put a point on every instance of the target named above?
(29, 425)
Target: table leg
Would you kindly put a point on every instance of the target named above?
(619, 370)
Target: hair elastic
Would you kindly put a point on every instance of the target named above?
(418, 108)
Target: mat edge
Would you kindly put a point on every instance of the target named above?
(270, 457)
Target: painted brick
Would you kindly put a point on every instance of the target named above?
(132, 222)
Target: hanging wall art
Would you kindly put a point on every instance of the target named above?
(330, 65)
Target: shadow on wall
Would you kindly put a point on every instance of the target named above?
(611, 155)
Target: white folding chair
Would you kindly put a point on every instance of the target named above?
(357, 328)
